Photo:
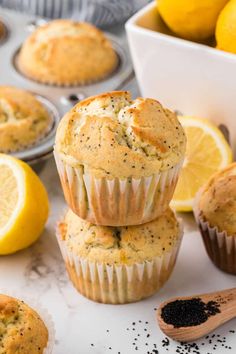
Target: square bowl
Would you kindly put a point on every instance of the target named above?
(188, 77)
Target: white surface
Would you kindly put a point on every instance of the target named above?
(39, 272)
(192, 78)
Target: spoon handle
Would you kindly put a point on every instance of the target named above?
(226, 300)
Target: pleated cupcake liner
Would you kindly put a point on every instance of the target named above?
(117, 202)
(118, 284)
(43, 313)
(220, 247)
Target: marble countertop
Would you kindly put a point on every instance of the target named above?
(84, 327)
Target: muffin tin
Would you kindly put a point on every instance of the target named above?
(57, 100)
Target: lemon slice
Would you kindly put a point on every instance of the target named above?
(23, 205)
(207, 152)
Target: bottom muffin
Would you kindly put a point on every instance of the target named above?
(22, 331)
(118, 265)
(215, 213)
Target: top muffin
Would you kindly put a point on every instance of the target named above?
(64, 52)
(217, 202)
(21, 329)
(111, 135)
(23, 119)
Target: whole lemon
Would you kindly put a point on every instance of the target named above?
(226, 28)
(191, 19)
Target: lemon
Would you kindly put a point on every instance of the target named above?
(226, 28)
(207, 152)
(24, 205)
(191, 19)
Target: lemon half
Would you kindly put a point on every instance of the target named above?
(24, 205)
(207, 152)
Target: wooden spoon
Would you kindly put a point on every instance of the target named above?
(226, 303)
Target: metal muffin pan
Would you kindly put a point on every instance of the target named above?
(58, 100)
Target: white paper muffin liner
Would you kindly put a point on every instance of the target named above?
(220, 247)
(117, 202)
(43, 313)
(118, 284)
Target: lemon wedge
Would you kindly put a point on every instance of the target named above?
(24, 205)
(207, 152)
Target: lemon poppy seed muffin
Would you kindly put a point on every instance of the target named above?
(216, 216)
(119, 264)
(119, 158)
(23, 119)
(64, 52)
(21, 329)
(218, 200)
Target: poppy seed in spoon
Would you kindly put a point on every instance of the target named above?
(191, 312)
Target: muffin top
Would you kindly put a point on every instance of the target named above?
(23, 119)
(112, 136)
(21, 329)
(217, 202)
(64, 52)
(120, 245)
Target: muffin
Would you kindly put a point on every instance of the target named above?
(21, 329)
(23, 119)
(64, 52)
(2, 31)
(119, 264)
(119, 159)
(215, 212)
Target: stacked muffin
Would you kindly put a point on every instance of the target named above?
(119, 161)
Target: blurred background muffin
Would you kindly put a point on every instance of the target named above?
(216, 215)
(119, 264)
(102, 13)
(2, 31)
(23, 119)
(118, 158)
(21, 328)
(64, 52)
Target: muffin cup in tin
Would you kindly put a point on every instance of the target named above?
(116, 202)
(64, 84)
(220, 247)
(43, 313)
(113, 284)
(44, 144)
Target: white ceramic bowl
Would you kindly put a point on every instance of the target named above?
(192, 78)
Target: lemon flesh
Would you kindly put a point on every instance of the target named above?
(191, 19)
(24, 205)
(207, 152)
